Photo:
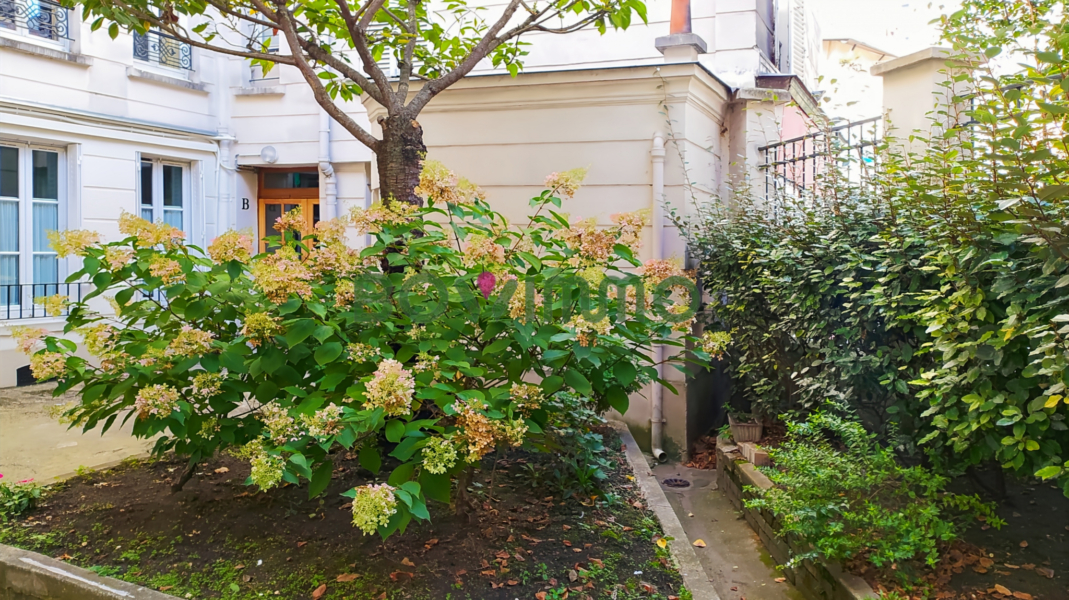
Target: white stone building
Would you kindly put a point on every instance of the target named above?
(91, 126)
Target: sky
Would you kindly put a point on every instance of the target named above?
(897, 26)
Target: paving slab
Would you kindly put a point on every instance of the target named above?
(34, 445)
(734, 558)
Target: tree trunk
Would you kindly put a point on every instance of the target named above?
(400, 155)
(184, 478)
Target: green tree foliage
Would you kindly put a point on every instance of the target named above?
(938, 295)
(336, 45)
(445, 338)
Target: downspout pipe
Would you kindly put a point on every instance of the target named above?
(657, 253)
(326, 169)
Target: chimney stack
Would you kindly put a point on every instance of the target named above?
(681, 45)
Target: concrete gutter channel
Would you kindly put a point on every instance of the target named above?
(31, 576)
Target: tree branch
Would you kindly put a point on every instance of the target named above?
(288, 27)
(410, 51)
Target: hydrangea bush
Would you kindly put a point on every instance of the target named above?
(444, 339)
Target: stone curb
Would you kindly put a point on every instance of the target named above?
(27, 575)
(694, 577)
(106, 466)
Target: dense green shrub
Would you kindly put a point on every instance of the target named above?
(847, 496)
(936, 296)
(445, 338)
(17, 497)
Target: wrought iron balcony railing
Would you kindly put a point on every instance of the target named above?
(17, 300)
(162, 49)
(39, 18)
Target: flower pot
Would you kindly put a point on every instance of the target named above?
(745, 432)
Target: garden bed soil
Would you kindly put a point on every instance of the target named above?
(219, 538)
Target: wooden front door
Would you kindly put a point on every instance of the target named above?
(282, 190)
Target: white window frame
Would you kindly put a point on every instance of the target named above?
(26, 204)
(158, 207)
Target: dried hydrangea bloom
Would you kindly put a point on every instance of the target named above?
(232, 245)
(512, 431)
(280, 427)
(439, 455)
(566, 183)
(190, 342)
(27, 338)
(267, 468)
(425, 363)
(117, 257)
(391, 388)
(324, 422)
(518, 305)
(207, 384)
(373, 506)
(439, 184)
(72, 242)
(150, 234)
(482, 250)
(156, 399)
(591, 245)
(99, 339)
(526, 397)
(344, 293)
(338, 260)
(280, 274)
(331, 231)
(169, 270)
(655, 271)
(629, 227)
(381, 214)
(54, 305)
(362, 352)
(292, 221)
(715, 343)
(586, 332)
(477, 431)
(259, 327)
(47, 365)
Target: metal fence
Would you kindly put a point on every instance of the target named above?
(17, 300)
(40, 18)
(796, 166)
(162, 49)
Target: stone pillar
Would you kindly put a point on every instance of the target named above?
(917, 97)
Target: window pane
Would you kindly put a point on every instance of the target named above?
(9, 226)
(173, 218)
(172, 185)
(45, 270)
(146, 214)
(9, 276)
(45, 219)
(273, 180)
(271, 214)
(146, 187)
(45, 175)
(9, 172)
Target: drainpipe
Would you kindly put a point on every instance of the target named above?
(657, 253)
(330, 200)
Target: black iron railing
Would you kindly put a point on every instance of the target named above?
(162, 49)
(41, 18)
(799, 165)
(17, 300)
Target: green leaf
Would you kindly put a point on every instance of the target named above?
(577, 381)
(1049, 472)
(435, 487)
(299, 331)
(625, 373)
(552, 384)
(369, 456)
(320, 479)
(328, 352)
(617, 398)
(395, 430)
(401, 474)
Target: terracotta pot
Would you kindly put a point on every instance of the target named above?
(745, 432)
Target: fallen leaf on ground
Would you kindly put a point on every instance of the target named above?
(1022, 595)
(399, 575)
(512, 582)
(663, 543)
(1048, 573)
(780, 579)
(222, 470)
(540, 596)
(699, 543)
(407, 563)
(572, 575)
(319, 592)
(1005, 591)
(986, 562)
(302, 544)
(1023, 544)
(347, 577)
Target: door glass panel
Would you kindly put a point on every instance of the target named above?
(9, 277)
(271, 214)
(173, 218)
(45, 219)
(172, 185)
(45, 175)
(9, 226)
(273, 180)
(9, 243)
(45, 270)
(9, 172)
(315, 213)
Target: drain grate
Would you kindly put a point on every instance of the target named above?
(675, 482)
